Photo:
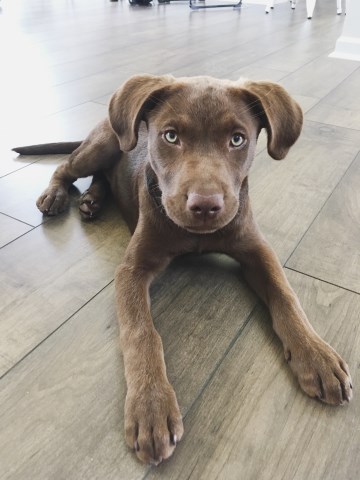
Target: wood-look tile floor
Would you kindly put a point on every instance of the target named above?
(62, 387)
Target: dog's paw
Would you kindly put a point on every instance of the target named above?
(53, 201)
(321, 372)
(153, 423)
(89, 205)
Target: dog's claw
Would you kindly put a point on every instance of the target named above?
(154, 440)
(322, 373)
(88, 207)
(53, 201)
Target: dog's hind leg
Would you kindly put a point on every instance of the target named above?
(92, 200)
(98, 152)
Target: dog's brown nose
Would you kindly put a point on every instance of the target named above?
(205, 205)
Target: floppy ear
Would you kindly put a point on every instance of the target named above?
(279, 114)
(129, 103)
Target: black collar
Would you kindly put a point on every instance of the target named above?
(152, 185)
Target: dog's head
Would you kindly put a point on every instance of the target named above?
(202, 139)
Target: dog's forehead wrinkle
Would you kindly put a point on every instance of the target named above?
(200, 108)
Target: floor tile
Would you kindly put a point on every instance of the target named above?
(254, 421)
(330, 250)
(11, 229)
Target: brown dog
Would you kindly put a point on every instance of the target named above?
(182, 186)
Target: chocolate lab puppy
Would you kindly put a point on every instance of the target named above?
(176, 154)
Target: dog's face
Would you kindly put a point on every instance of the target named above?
(201, 143)
(202, 139)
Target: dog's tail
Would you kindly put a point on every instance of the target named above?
(48, 148)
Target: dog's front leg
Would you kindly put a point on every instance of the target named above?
(321, 372)
(153, 422)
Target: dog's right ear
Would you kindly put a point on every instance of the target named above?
(130, 101)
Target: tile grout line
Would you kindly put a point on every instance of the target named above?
(231, 345)
(309, 120)
(122, 65)
(17, 219)
(54, 331)
(216, 368)
(17, 238)
(331, 91)
(322, 280)
(127, 64)
(18, 169)
(321, 209)
(187, 65)
(318, 99)
(313, 60)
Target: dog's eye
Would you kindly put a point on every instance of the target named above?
(171, 136)
(236, 140)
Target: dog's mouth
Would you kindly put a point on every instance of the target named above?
(200, 230)
(207, 226)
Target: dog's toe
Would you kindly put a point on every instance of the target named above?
(323, 374)
(153, 425)
(89, 206)
(153, 444)
(53, 201)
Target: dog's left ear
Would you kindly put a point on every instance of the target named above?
(279, 114)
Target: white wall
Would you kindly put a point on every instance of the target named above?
(348, 44)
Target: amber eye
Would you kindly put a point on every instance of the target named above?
(236, 140)
(171, 136)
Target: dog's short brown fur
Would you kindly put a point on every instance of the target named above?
(182, 185)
